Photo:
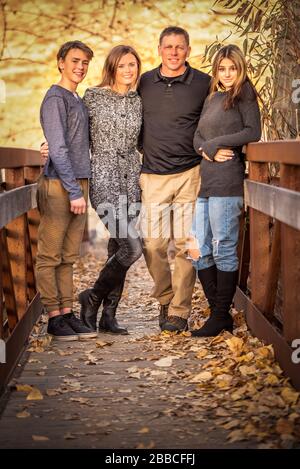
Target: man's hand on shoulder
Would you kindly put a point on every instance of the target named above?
(44, 151)
(78, 206)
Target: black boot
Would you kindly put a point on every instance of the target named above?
(91, 299)
(163, 315)
(108, 321)
(220, 318)
(208, 279)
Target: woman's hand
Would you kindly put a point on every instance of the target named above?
(223, 155)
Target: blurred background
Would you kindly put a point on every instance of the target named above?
(31, 32)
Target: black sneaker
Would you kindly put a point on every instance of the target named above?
(175, 324)
(60, 330)
(82, 331)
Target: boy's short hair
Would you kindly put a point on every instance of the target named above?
(174, 30)
(67, 46)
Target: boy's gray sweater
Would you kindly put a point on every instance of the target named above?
(64, 119)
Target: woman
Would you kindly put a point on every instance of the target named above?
(229, 120)
(115, 117)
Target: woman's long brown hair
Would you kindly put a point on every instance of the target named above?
(111, 63)
(235, 54)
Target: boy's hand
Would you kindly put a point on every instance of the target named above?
(78, 206)
(44, 151)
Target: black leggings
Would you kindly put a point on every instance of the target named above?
(124, 243)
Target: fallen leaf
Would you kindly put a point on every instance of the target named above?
(69, 436)
(23, 415)
(102, 343)
(200, 377)
(202, 354)
(39, 438)
(232, 424)
(235, 345)
(143, 430)
(35, 395)
(267, 351)
(289, 395)
(284, 427)
(271, 380)
(167, 361)
(236, 435)
(247, 370)
(23, 388)
(145, 446)
(53, 392)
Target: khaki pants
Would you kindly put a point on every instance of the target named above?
(59, 237)
(167, 210)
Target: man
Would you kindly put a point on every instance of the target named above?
(63, 191)
(173, 95)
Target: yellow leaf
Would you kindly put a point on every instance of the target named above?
(150, 445)
(39, 438)
(235, 345)
(23, 415)
(23, 388)
(266, 351)
(200, 377)
(52, 392)
(144, 430)
(101, 343)
(220, 412)
(247, 370)
(245, 358)
(202, 354)
(236, 435)
(289, 395)
(272, 380)
(232, 424)
(166, 361)
(217, 340)
(35, 395)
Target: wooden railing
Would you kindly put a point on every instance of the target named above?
(271, 242)
(19, 219)
(269, 251)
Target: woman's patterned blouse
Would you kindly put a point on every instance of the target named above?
(115, 122)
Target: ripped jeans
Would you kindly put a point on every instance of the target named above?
(216, 228)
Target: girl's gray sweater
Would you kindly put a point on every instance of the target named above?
(232, 128)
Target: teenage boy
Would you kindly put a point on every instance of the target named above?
(63, 191)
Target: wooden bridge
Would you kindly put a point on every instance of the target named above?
(269, 252)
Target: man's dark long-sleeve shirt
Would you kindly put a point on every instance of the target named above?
(64, 119)
(171, 111)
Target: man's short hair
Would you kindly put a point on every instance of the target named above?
(174, 30)
(67, 46)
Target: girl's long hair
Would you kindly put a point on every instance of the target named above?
(111, 63)
(235, 54)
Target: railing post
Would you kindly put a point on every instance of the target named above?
(16, 232)
(290, 246)
(259, 240)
